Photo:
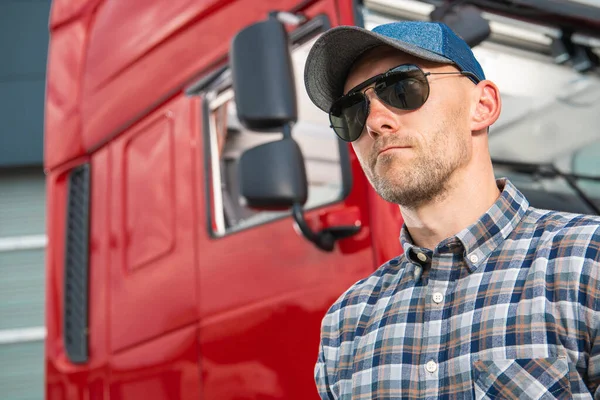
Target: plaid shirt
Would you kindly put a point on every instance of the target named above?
(509, 308)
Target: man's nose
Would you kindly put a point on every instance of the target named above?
(381, 119)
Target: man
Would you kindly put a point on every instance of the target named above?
(491, 298)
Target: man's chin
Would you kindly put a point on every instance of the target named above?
(397, 179)
(389, 167)
(406, 194)
(391, 190)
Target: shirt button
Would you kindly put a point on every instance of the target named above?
(438, 297)
(422, 257)
(431, 366)
(473, 258)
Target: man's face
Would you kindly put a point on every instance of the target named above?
(410, 156)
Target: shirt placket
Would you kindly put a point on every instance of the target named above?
(435, 328)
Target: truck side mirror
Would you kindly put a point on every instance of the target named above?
(272, 175)
(263, 80)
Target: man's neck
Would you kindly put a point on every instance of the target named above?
(464, 202)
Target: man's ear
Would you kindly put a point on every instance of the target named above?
(487, 105)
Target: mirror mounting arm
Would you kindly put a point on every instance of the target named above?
(324, 239)
(287, 131)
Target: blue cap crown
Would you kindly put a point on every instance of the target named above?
(437, 38)
(333, 54)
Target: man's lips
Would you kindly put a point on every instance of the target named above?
(391, 148)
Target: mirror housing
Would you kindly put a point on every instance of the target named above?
(263, 79)
(273, 176)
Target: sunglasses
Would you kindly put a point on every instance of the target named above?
(404, 87)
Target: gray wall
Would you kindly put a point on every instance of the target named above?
(23, 52)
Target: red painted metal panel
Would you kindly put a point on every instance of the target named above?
(56, 194)
(165, 368)
(62, 138)
(99, 247)
(64, 11)
(386, 224)
(347, 11)
(150, 206)
(151, 172)
(124, 31)
(157, 71)
(268, 349)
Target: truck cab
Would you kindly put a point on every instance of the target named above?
(163, 280)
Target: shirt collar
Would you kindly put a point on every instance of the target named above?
(484, 236)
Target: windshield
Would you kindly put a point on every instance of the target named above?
(550, 115)
(550, 112)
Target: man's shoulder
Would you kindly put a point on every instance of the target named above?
(368, 290)
(558, 222)
(560, 230)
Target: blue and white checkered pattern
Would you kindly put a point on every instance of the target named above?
(509, 308)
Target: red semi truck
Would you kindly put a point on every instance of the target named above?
(162, 283)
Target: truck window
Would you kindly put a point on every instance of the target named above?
(228, 139)
(585, 163)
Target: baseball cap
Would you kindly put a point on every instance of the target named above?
(331, 57)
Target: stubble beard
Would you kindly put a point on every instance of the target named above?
(426, 179)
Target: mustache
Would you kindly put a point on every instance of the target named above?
(387, 142)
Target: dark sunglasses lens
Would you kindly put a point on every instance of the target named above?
(348, 116)
(407, 90)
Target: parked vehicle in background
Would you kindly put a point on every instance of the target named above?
(161, 282)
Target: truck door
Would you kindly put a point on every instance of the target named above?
(263, 288)
(143, 195)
